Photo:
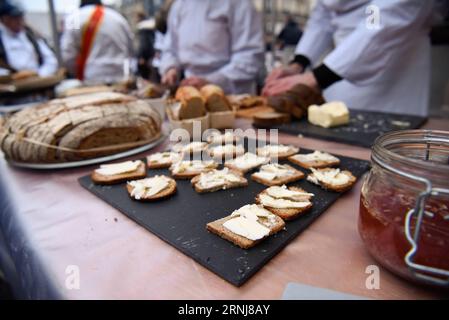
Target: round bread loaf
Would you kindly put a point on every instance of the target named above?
(78, 128)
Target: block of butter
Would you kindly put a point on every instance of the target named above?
(328, 115)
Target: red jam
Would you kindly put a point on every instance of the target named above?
(381, 226)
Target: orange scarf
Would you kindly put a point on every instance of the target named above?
(87, 38)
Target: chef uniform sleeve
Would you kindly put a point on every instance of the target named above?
(317, 39)
(368, 49)
(169, 56)
(247, 47)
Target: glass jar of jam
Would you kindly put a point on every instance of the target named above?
(404, 205)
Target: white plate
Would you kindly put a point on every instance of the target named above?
(88, 162)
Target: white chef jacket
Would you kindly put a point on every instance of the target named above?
(21, 54)
(221, 41)
(111, 46)
(385, 68)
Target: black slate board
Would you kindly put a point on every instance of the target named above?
(181, 220)
(364, 127)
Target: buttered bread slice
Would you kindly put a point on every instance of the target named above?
(162, 160)
(332, 179)
(279, 151)
(218, 180)
(188, 169)
(275, 174)
(114, 173)
(226, 151)
(317, 159)
(247, 226)
(151, 189)
(287, 203)
(246, 162)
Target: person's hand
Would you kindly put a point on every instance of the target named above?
(194, 82)
(170, 77)
(282, 85)
(283, 72)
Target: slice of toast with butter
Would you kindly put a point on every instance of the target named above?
(278, 151)
(317, 159)
(227, 151)
(216, 180)
(275, 174)
(188, 169)
(287, 203)
(246, 162)
(332, 179)
(151, 189)
(163, 160)
(115, 173)
(247, 226)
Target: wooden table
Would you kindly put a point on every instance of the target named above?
(62, 225)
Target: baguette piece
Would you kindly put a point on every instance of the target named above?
(100, 177)
(280, 151)
(151, 189)
(316, 159)
(189, 169)
(251, 224)
(215, 98)
(274, 174)
(192, 103)
(162, 160)
(246, 162)
(216, 180)
(287, 203)
(332, 179)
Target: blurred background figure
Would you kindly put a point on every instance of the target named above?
(145, 45)
(97, 43)
(288, 38)
(220, 42)
(22, 52)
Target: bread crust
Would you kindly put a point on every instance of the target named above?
(100, 179)
(217, 228)
(167, 192)
(215, 98)
(289, 213)
(192, 103)
(279, 182)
